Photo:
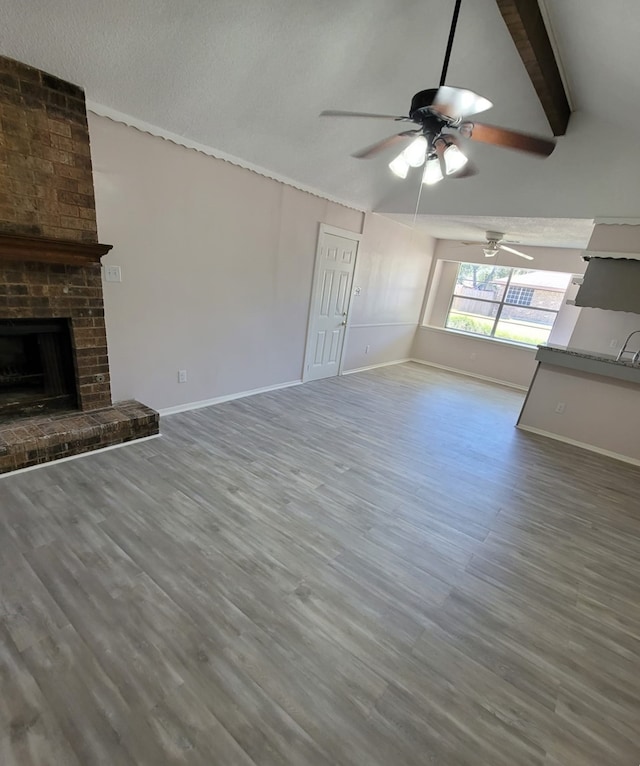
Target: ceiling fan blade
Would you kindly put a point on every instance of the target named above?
(380, 146)
(339, 113)
(515, 252)
(458, 102)
(511, 139)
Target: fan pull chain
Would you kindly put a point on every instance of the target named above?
(452, 32)
(415, 214)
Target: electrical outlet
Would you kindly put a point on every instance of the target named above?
(473, 355)
(112, 274)
(366, 349)
(182, 376)
(560, 407)
(614, 343)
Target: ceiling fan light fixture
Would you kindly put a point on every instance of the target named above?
(454, 159)
(416, 152)
(399, 166)
(447, 109)
(432, 171)
(490, 251)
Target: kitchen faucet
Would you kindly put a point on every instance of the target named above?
(636, 355)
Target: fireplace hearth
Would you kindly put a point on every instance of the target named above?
(36, 367)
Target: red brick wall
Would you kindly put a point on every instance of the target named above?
(46, 190)
(37, 291)
(46, 184)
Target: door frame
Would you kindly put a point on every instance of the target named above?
(325, 228)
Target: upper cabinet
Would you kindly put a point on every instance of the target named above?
(612, 278)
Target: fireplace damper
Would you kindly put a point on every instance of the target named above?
(36, 367)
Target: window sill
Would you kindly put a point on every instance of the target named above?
(482, 338)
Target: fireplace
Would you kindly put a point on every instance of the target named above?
(36, 367)
(55, 385)
(55, 392)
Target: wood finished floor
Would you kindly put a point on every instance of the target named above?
(371, 570)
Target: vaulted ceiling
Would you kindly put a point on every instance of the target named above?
(249, 79)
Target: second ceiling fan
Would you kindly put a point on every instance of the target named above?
(495, 243)
(437, 112)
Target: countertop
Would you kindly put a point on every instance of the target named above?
(590, 362)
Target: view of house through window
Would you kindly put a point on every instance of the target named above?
(520, 305)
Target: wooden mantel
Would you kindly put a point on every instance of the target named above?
(63, 251)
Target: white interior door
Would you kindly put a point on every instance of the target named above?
(335, 264)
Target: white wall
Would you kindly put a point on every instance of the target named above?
(392, 271)
(604, 332)
(217, 266)
(599, 412)
(492, 359)
(501, 362)
(616, 238)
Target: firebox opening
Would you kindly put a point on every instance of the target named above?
(36, 367)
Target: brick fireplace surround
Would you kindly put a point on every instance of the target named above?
(50, 264)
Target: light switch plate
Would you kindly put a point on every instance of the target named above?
(112, 274)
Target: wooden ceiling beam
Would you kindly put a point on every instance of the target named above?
(526, 26)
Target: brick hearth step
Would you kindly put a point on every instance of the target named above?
(28, 442)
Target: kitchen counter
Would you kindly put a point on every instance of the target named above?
(587, 399)
(589, 362)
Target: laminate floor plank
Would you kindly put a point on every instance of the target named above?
(29, 733)
(226, 675)
(27, 609)
(93, 716)
(373, 569)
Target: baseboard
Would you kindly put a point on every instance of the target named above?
(582, 445)
(471, 375)
(50, 463)
(227, 398)
(375, 366)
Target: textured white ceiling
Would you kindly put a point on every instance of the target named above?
(248, 78)
(549, 232)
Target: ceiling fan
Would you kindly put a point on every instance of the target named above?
(437, 112)
(495, 243)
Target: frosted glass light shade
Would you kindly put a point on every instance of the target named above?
(432, 171)
(399, 166)
(415, 153)
(454, 159)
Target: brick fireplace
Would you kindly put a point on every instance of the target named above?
(55, 393)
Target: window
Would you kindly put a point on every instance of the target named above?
(520, 296)
(519, 305)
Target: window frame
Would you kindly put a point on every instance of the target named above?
(501, 304)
